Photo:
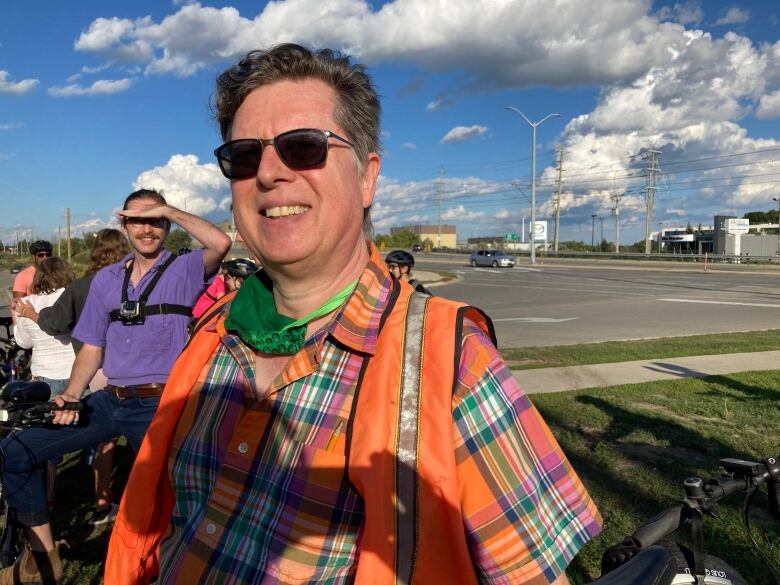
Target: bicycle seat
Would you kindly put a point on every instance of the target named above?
(655, 565)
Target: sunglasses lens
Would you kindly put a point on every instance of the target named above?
(43, 255)
(300, 149)
(240, 158)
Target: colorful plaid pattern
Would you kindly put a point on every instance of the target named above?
(261, 489)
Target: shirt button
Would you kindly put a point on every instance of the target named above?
(210, 528)
(243, 448)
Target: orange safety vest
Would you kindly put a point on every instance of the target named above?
(400, 455)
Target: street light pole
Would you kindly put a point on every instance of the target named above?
(778, 226)
(533, 175)
(593, 217)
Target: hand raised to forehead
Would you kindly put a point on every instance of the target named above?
(155, 210)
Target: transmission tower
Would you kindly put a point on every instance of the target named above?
(558, 201)
(616, 215)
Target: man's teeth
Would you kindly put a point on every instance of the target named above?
(286, 210)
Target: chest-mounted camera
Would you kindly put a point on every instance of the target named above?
(131, 313)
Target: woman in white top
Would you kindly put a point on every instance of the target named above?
(52, 355)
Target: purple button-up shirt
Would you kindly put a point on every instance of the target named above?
(141, 354)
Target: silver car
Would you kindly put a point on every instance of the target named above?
(494, 258)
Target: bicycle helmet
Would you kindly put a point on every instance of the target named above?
(40, 246)
(240, 267)
(400, 257)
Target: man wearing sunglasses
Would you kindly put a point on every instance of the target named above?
(135, 323)
(326, 423)
(39, 250)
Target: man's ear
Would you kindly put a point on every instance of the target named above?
(369, 178)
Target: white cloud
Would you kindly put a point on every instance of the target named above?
(501, 214)
(438, 105)
(682, 12)
(93, 225)
(99, 87)
(460, 213)
(187, 184)
(16, 88)
(734, 15)
(461, 133)
(676, 212)
(409, 146)
(769, 106)
(11, 125)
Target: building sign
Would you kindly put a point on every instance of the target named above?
(737, 226)
(540, 233)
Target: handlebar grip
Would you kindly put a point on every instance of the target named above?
(52, 406)
(660, 525)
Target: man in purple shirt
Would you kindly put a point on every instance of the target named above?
(134, 323)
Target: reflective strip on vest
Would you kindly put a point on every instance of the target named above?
(408, 440)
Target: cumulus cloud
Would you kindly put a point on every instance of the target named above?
(15, 88)
(99, 87)
(769, 106)
(733, 15)
(460, 213)
(187, 184)
(682, 12)
(461, 133)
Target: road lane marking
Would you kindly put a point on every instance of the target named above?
(537, 319)
(720, 303)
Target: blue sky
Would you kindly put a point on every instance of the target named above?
(100, 98)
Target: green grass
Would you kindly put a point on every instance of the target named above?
(643, 349)
(634, 445)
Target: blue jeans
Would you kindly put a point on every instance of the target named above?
(25, 453)
(57, 386)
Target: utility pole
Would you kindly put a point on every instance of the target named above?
(558, 201)
(601, 225)
(616, 215)
(67, 229)
(593, 217)
(441, 191)
(533, 125)
(778, 227)
(59, 240)
(660, 235)
(652, 170)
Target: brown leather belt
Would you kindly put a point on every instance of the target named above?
(136, 391)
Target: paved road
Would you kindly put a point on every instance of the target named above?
(571, 302)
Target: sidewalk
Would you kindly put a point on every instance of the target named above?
(601, 375)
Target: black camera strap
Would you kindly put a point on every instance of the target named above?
(160, 309)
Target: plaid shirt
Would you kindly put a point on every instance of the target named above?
(260, 485)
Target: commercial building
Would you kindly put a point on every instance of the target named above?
(444, 236)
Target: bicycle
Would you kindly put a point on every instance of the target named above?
(22, 405)
(639, 559)
(14, 360)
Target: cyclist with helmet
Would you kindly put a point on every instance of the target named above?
(40, 250)
(400, 264)
(229, 279)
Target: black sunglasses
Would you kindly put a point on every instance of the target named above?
(155, 222)
(43, 254)
(298, 149)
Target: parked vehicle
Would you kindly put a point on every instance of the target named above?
(417, 248)
(494, 258)
(16, 268)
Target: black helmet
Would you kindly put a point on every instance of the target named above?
(240, 267)
(400, 257)
(40, 246)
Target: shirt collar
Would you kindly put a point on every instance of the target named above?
(120, 266)
(357, 324)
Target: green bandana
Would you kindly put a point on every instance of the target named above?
(254, 319)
